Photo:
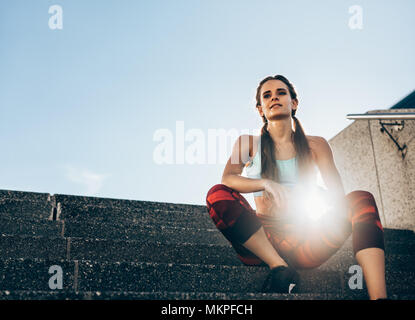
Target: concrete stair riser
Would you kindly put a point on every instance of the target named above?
(29, 247)
(186, 217)
(136, 231)
(139, 251)
(175, 234)
(123, 217)
(24, 195)
(33, 274)
(93, 276)
(21, 209)
(79, 203)
(144, 233)
(15, 226)
(129, 218)
(116, 295)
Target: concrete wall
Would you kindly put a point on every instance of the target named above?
(368, 159)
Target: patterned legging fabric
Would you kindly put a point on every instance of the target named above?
(301, 245)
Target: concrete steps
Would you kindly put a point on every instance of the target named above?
(123, 249)
(128, 295)
(83, 275)
(399, 255)
(28, 226)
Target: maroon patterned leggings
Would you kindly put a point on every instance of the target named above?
(301, 246)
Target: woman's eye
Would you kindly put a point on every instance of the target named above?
(266, 95)
(282, 93)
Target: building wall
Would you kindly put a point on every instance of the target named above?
(368, 159)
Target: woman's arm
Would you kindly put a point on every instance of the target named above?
(232, 173)
(325, 162)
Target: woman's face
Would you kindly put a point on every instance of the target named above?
(276, 102)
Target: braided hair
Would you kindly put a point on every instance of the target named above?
(302, 148)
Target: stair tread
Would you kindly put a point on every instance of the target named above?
(140, 231)
(62, 294)
(23, 195)
(174, 295)
(32, 274)
(17, 246)
(32, 227)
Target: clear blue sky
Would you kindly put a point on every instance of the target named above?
(79, 106)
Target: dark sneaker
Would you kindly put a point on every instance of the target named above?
(281, 280)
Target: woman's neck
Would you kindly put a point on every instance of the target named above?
(280, 131)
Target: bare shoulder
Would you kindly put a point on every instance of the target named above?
(316, 141)
(254, 145)
(249, 144)
(319, 146)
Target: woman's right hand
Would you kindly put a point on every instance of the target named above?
(277, 193)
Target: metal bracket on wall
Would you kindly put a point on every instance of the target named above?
(398, 126)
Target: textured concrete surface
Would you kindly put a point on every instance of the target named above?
(138, 251)
(129, 295)
(153, 277)
(399, 255)
(10, 225)
(26, 208)
(122, 249)
(32, 247)
(369, 160)
(132, 216)
(191, 277)
(92, 230)
(33, 274)
(82, 202)
(23, 195)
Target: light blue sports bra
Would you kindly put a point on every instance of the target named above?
(287, 170)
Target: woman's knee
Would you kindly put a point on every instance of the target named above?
(364, 209)
(359, 194)
(217, 193)
(218, 187)
(220, 204)
(361, 198)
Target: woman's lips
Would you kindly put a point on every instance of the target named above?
(276, 104)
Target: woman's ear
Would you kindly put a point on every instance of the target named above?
(295, 104)
(259, 108)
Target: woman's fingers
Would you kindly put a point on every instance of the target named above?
(268, 195)
(278, 194)
(280, 199)
(283, 197)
